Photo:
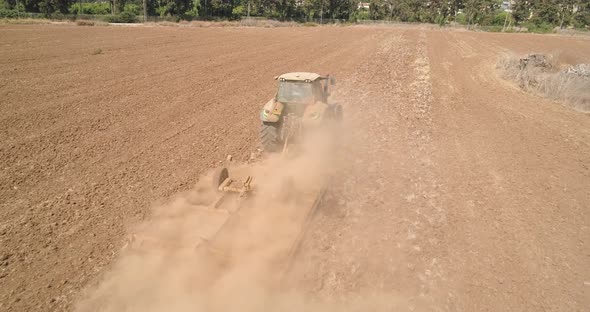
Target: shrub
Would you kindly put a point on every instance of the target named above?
(132, 8)
(362, 15)
(500, 19)
(541, 28)
(441, 20)
(57, 16)
(569, 88)
(124, 17)
(581, 20)
(461, 19)
(13, 13)
(8, 13)
(237, 11)
(190, 15)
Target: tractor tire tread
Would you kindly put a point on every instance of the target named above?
(269, 137)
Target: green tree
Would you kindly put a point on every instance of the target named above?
(477, 10)
(566, 11)
(581, 18)
(521, 10)
(546, 12)
(54, 6)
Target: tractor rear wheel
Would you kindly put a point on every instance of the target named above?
(269, 137)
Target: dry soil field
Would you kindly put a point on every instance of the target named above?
(456, 191)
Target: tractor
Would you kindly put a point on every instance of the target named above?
(300, 104)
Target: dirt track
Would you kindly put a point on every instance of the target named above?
(459, 192)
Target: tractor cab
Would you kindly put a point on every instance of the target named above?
(303, 88)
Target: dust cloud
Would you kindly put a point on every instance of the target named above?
(179, 260)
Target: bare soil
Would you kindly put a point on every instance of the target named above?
(455, 190)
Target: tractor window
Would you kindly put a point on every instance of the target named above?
(294, 92)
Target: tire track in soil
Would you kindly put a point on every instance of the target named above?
(371, 240)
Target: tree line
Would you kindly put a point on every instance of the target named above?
(533, 13)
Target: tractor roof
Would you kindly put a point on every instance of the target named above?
(299, 76)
